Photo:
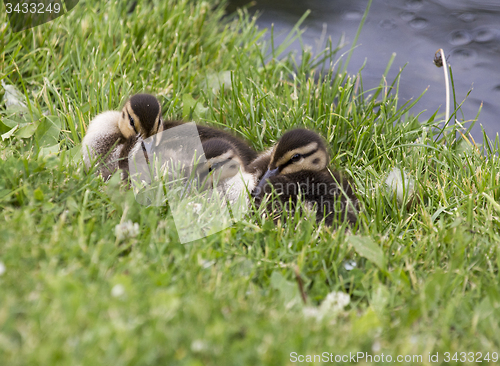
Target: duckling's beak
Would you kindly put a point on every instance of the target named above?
(145, 151)
(147, 146)
(160, 126)
(267, 175)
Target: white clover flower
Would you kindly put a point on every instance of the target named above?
(349, 265)
(400, 182)
(2, 268)
(333, 304)
(198, 345)
(118, 290)
(126, 230)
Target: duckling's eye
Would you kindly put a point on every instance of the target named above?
(210, 169)
(295, 158)
(131, 121)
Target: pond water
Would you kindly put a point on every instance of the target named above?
(467, 30)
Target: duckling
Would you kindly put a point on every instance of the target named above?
(205, 133)
(244, 151)
(298, 165)
(226, 169)
(112, 134)
(181, 158)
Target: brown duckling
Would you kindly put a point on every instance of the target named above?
(205, 133)
(226, 169)
(110, 133)
(298, 167)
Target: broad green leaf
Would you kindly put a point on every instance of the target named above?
(20, 121)
(12, 96)
(27, 131)
(49, 150)
(188, 103)
(47, 133)
(192, 109)
(15, 115)
(367, 248)
(4, 128)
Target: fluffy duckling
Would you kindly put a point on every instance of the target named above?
(245, 153)
(112, 134)
(225, 167)
(298, 165)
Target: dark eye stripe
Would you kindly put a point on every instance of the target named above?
(132, 123)
(218, 165)
(289, 162)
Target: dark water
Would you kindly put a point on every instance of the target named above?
(467, 30)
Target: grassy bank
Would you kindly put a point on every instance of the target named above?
(421, 276)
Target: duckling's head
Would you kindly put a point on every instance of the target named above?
(222, 161)
(141, 115)
(298, 150)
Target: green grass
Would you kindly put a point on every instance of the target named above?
(426, 276)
